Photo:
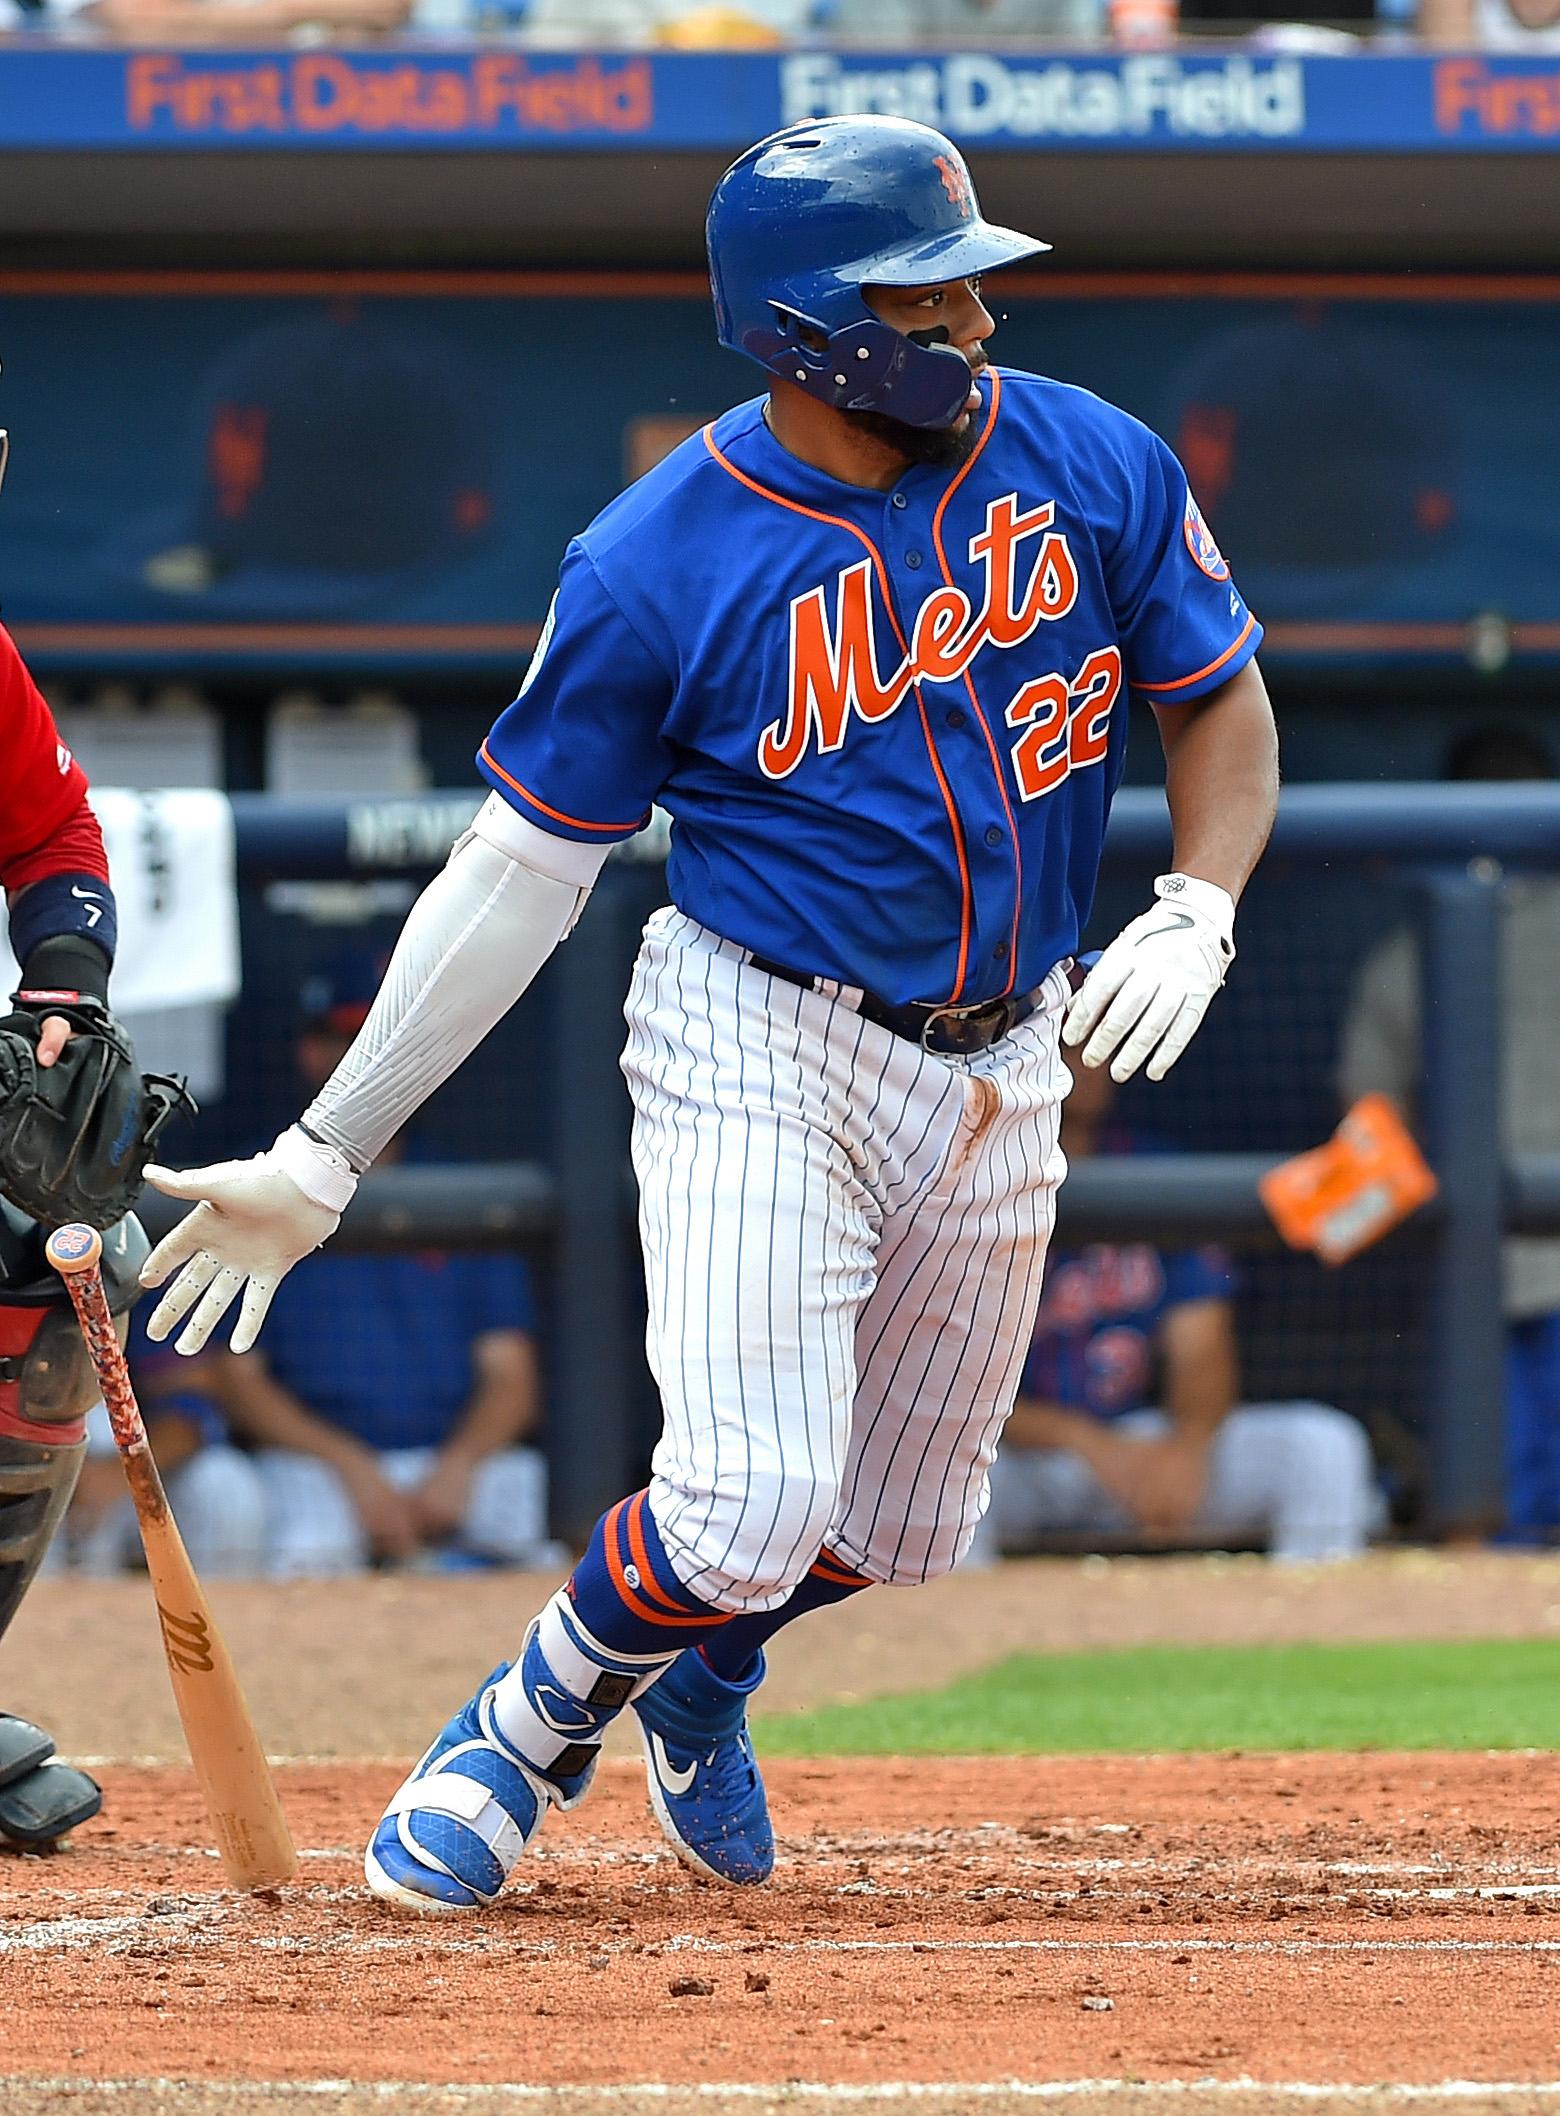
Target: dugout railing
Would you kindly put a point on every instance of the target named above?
(1456, 846)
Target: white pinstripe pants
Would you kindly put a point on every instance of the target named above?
(844, 1237)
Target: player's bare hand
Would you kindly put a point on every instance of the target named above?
(441, 1500)
(388, 1516)
(1160, 1481)
(1147, 994)
(53, 1035)
(374, 16)
(252, 1222)
(99, 1489)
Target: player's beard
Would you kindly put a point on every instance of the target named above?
(935, 447)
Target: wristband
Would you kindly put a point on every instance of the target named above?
(65, 968)
(319, 1171)
(1206, 899)
(79, 904)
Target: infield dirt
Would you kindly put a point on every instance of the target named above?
(1134, 1925)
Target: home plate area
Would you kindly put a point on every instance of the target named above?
(1122, 1933)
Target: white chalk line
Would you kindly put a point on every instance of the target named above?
(841, 2093)
(172, 1932)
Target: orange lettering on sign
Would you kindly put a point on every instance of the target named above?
(1497, 104)
(329, 92)
(152, 88)
(324, 92)
(498, 80)
(230, 99)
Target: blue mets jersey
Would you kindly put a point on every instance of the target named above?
(1096, 1343)
(887, 726)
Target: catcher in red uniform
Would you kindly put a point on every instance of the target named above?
(77, 1123)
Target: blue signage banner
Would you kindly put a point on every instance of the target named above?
(499, 98)
(299, 479)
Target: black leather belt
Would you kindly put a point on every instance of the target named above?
(952, 1031)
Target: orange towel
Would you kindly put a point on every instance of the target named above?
(1339, 1198)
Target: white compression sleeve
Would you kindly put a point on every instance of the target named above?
(471, 944)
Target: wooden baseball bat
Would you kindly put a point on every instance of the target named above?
(235, 1779)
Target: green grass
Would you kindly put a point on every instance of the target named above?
(1474, 1694)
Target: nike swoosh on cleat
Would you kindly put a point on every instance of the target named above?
(1179, 922)
(674, 1780)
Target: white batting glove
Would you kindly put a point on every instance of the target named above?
(252, 1221)
(1148, 992)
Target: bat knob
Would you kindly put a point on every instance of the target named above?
(73, 1249)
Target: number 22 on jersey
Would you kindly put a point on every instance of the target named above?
(1065, 725)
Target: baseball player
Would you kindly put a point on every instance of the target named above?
(74, 1134)
(869, 640)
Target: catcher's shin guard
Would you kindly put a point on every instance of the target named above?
(36, 1481)
(39, 1799)
(46, 1387)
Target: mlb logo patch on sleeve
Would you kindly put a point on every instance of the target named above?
(1200, 543)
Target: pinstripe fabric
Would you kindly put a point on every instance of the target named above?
(843, 1241)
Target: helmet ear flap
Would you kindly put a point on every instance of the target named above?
(869, 366)
(799, 330)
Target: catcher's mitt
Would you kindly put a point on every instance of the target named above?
(75, 1136)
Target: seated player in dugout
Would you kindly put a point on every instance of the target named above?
(868, 640)
(394, 1405)
(1128, 1425)
(213, 1487)
(1381, 1052)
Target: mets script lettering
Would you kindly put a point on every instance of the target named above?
(186, 1641)
(834, 668)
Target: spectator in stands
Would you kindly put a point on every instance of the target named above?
(1516, 26)
(221, 21)
(394, 1392)
(1380, 1052)
(212, 1486)
(707, 25)
(1086, 1454)
(956, 22)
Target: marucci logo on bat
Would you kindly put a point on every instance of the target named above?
(187, 1642)
(834, 666)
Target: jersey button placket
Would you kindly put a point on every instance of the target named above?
(907, 564)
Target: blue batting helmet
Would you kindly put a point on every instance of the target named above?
(803, 221)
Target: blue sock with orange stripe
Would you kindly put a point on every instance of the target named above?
(731, 1651)
(625, 1592)
(617, 1623)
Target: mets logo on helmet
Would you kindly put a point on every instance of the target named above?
(1200, 543)
(956, 182)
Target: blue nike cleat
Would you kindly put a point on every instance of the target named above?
(452, 1833)
(704, 1779)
